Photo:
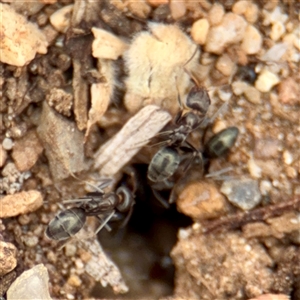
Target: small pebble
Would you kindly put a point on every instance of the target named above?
(201, 200)
(252, 40)
(265, 187)
(287, 157)
(26, 151)
(31, 284)
(74, 280)
(230, 31)
(177, 8)
(243, 193)
(252, 95)
(7, 144)
(289, 91)
(3, 156)
(30, 241)
(216, 14)
(239, 87)
(278, 29)
(199, 31)
(8, 254)
(246, 8)
(254, 169)
(20, 203)
(61, 19)
(274, 16)
(70, 250)
(266, 80)
(225, 65)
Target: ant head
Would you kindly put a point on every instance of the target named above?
(198, 100)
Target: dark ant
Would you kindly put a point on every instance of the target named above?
(167, 160)
(68, 222)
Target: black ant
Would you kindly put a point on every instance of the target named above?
(167, 160)
(69, 221)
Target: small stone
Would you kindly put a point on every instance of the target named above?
(278, 29)
(61, 101)
(7, 144)
(8, 257)
(291, 172)
(3, 156)
(70, 250)
(26, 151)
(20, 203)
(201, 200)
(254, 169)
(178, 9)
(265, 187)
(252, 40)
(19, 47)
(31, 284)
(216, 14)
(107, 45)
(230, 31)
(139, 8)
(225, 65)
(199, 31)
(243, 193)
(246, 8)
(274, 16)
(157, 2)
(266, 80)
(74, 280)
(61, 19)
(287, 157)
(31, 241)
(252, 95)
(289, 91)
(238, 87)
(266, 148)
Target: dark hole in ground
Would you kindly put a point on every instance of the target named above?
(142, 248)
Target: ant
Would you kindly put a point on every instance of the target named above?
(167, 160)
(69, 221)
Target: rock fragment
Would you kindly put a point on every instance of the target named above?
(230, 31)
(31, 285)
(19, 47)
(243, 193)
(3, 156)
(266, 81)
(199, 31)
(61, 19)
(201, 200)
(26, 151)
(216, 14)
(289, 91)
(20, 203)
(252, 40)
(63, 143)
(60, 100)
(8, 260)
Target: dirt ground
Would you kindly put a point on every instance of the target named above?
(86, 85)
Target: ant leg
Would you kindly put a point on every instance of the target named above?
(104, 222)
(162, 201)
(108, 228)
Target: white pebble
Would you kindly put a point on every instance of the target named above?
(238, 87)
(7, 144)
(61, 19)
(265, 187)
(216, 14)
(278, 29)
(230, 31)
(224, 96)
(266, 80)
(287, 157)
(199, 31)
(253, 168)
(225, 65)
(252, 40)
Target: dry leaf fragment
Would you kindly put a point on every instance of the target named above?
(106, 45)
(20, 39)
(135, 134)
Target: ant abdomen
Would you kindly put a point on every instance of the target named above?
(66, 224)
